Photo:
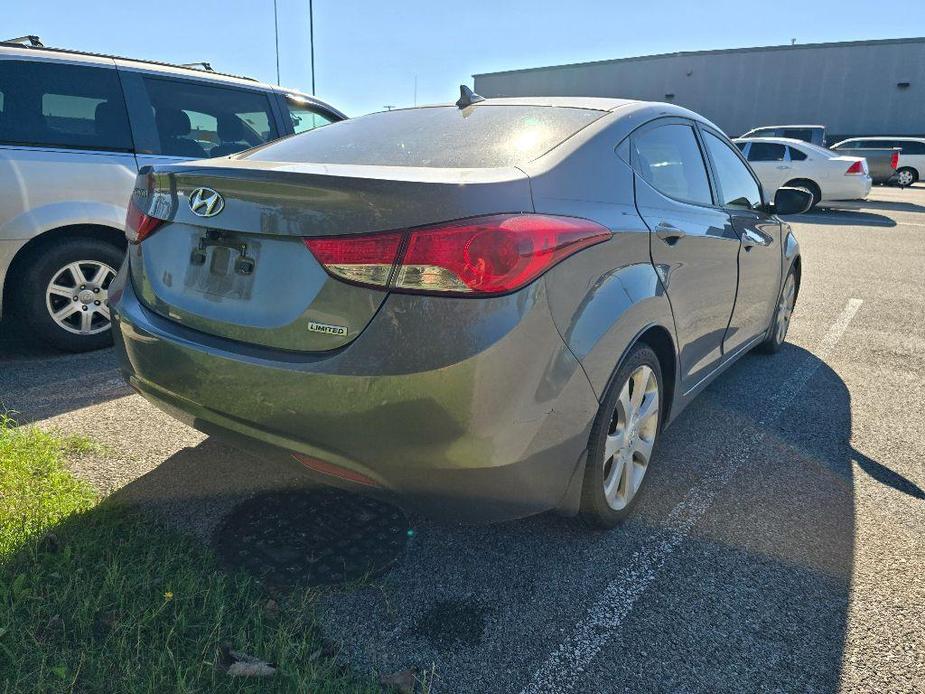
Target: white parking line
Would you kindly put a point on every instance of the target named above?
(564, 667)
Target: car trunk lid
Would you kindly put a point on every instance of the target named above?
(245, 273)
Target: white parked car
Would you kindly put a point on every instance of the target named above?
(911, 165)
(829, 176)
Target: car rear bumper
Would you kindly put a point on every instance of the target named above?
(851, 188)
(467, 409)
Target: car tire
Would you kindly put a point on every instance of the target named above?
(624, 438)
(84, 267)
(811, 186)
(780, 323)
(906, 177)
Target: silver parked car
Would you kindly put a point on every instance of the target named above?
(74, 129)
(484, 310)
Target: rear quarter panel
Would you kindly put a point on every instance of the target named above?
(42, 189)
(602, 298)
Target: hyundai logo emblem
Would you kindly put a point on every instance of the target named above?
(206, 202)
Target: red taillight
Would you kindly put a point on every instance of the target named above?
(364, 259)
(138, 225)
(487, 255)
(894, 160)
(855, 169)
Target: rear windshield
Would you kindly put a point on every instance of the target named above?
(443, 137)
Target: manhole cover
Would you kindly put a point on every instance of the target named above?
(317, 537)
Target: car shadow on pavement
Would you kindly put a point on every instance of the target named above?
(890, 205)
(38, 381)
(842, 217)
(755, 597)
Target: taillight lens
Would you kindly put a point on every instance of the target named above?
(855, 169)
(894, 160)
(138, 225)
(366, 259)
(485, 255)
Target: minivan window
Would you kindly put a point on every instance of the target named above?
(200, 120)
(303, 116)
(766, 151)
(68, 106)
(669, 159)
(799, 134)
(737, 185)
(910, 146)
(444, 137)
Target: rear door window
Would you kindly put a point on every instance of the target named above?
(796, 155)
(767, 151)
(445, 137)
(669, 159)
(199, 120)
(55, 105)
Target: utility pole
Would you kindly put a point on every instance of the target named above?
(276, 34)
(311, 40)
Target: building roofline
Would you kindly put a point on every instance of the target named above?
(655, 56)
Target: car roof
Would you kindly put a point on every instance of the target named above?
(586, 102)
(162, 67)
(905, 138)
(775, 140)
(787, 125)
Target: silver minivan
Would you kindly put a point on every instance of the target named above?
(75, 128)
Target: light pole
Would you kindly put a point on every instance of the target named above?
(311, 40)
(276, 36)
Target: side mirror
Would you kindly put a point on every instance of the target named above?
(792, 200)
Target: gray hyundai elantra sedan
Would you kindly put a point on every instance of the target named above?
(482, 310)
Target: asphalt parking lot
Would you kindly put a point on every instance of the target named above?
(780, 543)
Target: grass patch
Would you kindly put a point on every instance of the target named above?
(94, 597)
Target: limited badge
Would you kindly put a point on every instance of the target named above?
(327, 329)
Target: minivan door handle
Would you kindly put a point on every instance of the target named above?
(668, 233)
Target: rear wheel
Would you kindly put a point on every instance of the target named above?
(906, 177)
(811, 186)
(623, 440)
(777, 331)
(64, 298)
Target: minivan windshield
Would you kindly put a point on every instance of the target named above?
(443, 137)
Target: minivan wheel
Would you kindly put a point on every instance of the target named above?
(905, 177)
(777, 331)
(64, 298)
(623, 440)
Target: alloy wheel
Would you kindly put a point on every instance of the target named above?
(631, 437)
(905, 178)
(785, 308)
(77, 297)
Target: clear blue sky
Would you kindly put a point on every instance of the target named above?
(368, 52)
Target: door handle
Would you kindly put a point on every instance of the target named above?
(750, 239)
(783, 167)
(668, 233)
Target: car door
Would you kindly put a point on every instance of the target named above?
(769, 161)
(693, 245)
(178, 119)
(760, 256)
(65, 146)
